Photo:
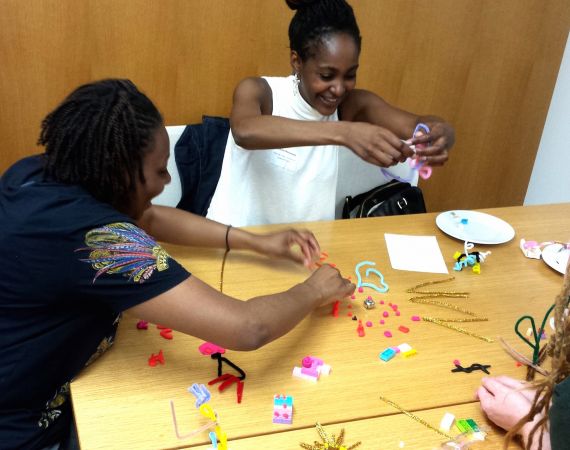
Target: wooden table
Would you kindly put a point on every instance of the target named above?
(122, 402)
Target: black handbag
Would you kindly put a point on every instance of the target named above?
(390, 199)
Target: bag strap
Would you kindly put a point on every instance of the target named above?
(346, 208)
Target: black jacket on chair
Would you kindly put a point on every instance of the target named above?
(199, 154)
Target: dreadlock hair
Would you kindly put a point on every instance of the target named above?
(97, 138)
(558, 349)
(314, 20)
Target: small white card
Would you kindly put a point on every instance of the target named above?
(415, 253)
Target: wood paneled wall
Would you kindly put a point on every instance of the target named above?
(487, 66)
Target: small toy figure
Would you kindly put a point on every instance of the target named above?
(473, 259)
(369, 303)
(311, 369)
(283, 409)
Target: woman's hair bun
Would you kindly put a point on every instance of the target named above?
(299, 4)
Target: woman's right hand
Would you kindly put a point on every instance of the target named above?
(375, 144)
(506, 401)
(329, 285)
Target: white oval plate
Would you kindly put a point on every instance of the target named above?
(480, 228)
(556, 256)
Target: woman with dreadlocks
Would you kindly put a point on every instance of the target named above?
(538, 412)
(281, 158)
(75, 231)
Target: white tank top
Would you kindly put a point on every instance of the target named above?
(278, 185)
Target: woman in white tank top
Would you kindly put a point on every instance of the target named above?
(281, 159)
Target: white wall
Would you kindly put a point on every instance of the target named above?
(550, 179)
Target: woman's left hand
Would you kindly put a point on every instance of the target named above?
(298, 245)
(440, 138)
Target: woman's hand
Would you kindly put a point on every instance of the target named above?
(298, 245)
(506, 401)
(375, 144)
(329, 284)
(441, 138)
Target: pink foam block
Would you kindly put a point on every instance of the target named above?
(207, 348)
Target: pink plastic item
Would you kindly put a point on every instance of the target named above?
(416, 318)
(313, 367)
(369, 323)
(207, 348)
(142, 325)
(360, 289)
(360, 329)
(382, 322)
(335, 308)
(166, 333)
(387, 334)
(154, 359)
(385, 314)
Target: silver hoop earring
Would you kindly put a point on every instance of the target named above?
(296, 82)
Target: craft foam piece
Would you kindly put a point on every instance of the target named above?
(142, 325)
(166, 333)
(311, 368)
(447, 422)
(335, 308)
(360, 329)
(404, 347)
(463, 426)
(470, 426)
(207, 348)
(297, 373)
(478, 435)
(283, 409)
(387, 354)
(409, 353)
(154, 359)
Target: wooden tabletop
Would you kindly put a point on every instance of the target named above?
(122, 402)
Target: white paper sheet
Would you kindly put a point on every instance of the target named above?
(415, 253)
